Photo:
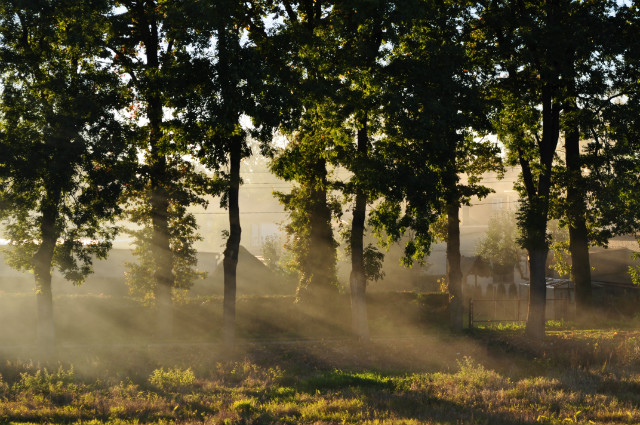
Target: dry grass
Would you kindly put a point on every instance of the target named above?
(486, 378)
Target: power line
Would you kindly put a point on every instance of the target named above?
(241, 212)
(286, 212)
(495, 203)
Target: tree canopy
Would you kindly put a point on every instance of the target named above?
(384, 107)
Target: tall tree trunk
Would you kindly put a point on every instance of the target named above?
(42, 272)
(580, 263)
(454, 271)
(576, 215)
(538, 212)
(537, 293)
(230, 261)
(321, 269)
(358, 279)
(228, 45)
(160, 240)
(161, 251)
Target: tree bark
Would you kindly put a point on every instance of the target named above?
(358, 279)
(232, 249)
(321, 256)
(537, 293)
(454, 271)
(580, 264)
(161, 250)
(536, 221)
(576, 216)
(160, 240)
(42, 272)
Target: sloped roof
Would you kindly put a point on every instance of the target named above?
(252, 277)
(612, 265)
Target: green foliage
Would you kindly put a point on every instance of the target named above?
(182, 227)
(245, 407)
(45, 382)
(174, 380)
(561, 89)
(577, 375)
(139, 275)
(373, 259)
(65, 154)
(634, 272)
(560, 248)
(337, 379)
(277, 258)
(165, 91)
(330, 102)
(4, 387)
(372, 256)
(500, 245)
(310, 211)
(272, 252)
(434, 110)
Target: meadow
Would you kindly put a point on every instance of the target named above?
(485, 376)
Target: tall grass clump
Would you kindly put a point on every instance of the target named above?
(173, 380)
(475, 375)
(44, 382)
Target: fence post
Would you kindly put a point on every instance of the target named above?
(495, 309)
(518, 311)
(470, 313)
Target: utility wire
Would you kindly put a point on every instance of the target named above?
(286, 212)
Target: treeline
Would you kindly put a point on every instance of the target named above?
(113, 109)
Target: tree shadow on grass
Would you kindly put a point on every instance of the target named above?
(382, 397)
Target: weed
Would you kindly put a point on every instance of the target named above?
(4, 388)
(248, 373)
(255, 390)
(473, 374)
(174, 380)
(245, 407)
(45, 382)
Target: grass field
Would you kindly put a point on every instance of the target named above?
(489, 376)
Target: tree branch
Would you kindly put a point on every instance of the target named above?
(293, 16)
(24, 39)
(527, 176)
(127, 64)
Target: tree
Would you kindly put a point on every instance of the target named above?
(64, 153)
(616, 150)
(554, 63)
(524, 41)
(152, 48)
(500, 246)
(227, 84)
(310, 210)
(356, 34)
(308, 119)
(435, 103)
(592, 64)
(182, 237)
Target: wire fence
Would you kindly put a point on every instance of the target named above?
(508, 310)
